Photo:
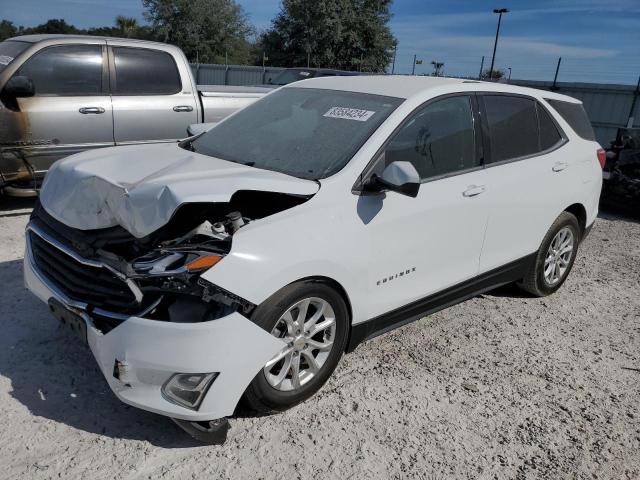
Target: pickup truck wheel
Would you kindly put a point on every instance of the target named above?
(555, 257)
(313, 320)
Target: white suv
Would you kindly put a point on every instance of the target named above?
(245, 261)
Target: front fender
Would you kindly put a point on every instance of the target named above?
(264, 259)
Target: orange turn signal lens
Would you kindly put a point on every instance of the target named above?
(203, 262)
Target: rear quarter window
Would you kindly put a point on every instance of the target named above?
(549, 135)
(575, 115)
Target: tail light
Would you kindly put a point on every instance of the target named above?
(602, 157)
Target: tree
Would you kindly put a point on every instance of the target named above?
(7, 30)
(497, 74)
(212, 31)
(53, 25)
(346, 34)
(128, 26)
(437, 68)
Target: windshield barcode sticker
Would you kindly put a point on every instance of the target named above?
(349, 113)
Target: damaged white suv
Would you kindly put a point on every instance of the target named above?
(244, 262)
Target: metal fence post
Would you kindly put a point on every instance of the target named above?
(633, 104)
(555, 78)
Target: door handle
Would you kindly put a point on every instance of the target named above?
(559, 166)
(183, 108)
(87, 110)
(473, 190)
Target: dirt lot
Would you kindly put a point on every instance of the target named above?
(502, 386)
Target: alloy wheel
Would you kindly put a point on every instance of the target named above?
(309, 328)
(559, 256)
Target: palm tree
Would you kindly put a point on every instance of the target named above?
(437, 68)
(127, 25)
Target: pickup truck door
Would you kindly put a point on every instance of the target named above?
(71, 110)
(153, 96)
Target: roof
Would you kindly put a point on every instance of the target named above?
(406, 86)
(400, 86)
(51, 36)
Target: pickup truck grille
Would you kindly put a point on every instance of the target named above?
(93, 285)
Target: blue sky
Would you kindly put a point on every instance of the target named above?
(598, 40)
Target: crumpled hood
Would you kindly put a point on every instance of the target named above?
(140, 187)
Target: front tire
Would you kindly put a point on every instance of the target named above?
(555, 257)
(313, 319)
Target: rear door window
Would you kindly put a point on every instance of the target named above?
(575, 115)
(67, 70)
(142, 71)
(512, 126)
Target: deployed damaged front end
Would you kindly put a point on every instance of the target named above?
(117, 275)
(165, 339)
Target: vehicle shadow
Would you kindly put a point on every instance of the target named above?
(613, 212)
(15, 206)
(56, 377)
(510, 290)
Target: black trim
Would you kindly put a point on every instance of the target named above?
(509, 273)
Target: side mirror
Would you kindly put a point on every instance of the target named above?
(401, 177)
(19, 87)
(198, 128)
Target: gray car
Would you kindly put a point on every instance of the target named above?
(63, 94)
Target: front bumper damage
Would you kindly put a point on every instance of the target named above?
(153, 350)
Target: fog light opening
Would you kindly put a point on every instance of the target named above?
(188, 389)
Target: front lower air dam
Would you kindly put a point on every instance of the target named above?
(204, 367)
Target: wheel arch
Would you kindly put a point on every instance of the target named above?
(580, 212)
(339, 289)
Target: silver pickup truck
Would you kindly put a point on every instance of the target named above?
(62, 94)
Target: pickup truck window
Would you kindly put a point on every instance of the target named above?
(68, 70)
(141, 71)
(303, 132)
(10, 50)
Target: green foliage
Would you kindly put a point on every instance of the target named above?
(128, 26)
(207, 30)
(496, 75)
(345, 34)
(7, 30)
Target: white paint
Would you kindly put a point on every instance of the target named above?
(442, 237)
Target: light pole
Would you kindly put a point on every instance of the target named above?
(509, 79)
(499, 11)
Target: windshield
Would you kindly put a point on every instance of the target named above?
(290, 76)
(10, 50)
(304, 132)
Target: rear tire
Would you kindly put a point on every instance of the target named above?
(312, 358)
(553, 261)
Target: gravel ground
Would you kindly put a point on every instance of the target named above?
(501, 386)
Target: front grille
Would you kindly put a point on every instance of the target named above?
(93, 285)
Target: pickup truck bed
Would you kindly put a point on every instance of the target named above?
(218, 101)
